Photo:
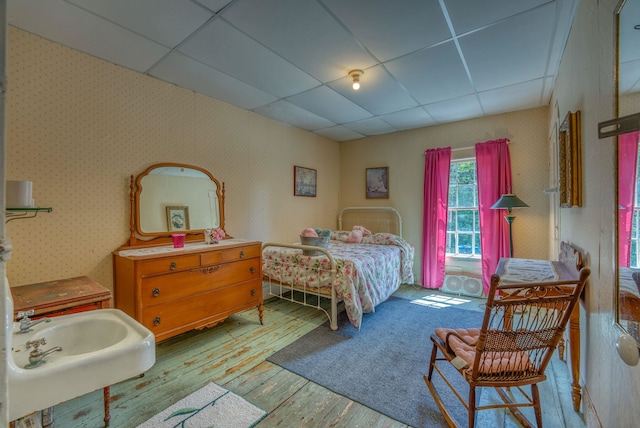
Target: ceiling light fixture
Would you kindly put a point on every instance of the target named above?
(355, 75)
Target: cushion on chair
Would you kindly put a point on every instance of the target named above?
(493, 362)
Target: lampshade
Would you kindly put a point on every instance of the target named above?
(508, 201)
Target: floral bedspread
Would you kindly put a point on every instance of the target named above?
(367, 273)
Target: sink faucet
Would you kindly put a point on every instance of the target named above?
(36, 356)
(26, 323)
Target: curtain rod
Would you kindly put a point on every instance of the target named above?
(457, 149)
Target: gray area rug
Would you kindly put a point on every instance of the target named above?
(382, 365)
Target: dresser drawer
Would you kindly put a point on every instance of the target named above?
(200, 310)
(167, 288)
(169, 264)
(241, 253)
(210, 258)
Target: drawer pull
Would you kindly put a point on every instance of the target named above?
(156, 321)
(156, 292)
(252, 269)
(253, 291)
(173, 266)
(241, 254)
(209, 269)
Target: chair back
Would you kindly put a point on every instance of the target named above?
(522, 325)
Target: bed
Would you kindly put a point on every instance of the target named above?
(361, 275)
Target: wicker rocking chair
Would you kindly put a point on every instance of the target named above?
(519, 333)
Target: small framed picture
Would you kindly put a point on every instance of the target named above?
(377, 180)
(177, 218)
(304, 181)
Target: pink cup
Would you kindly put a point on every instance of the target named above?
(178, 240)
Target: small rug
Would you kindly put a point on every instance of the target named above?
(209, 406)
(382, 365)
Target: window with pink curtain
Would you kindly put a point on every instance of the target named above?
(434, 222)
(627, 169)
(493, 165)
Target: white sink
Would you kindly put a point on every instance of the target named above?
(99, 349)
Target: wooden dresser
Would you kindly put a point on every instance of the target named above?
(174, 290)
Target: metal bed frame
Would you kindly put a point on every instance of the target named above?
(376, 219)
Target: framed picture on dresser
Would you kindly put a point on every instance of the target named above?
(177, 218)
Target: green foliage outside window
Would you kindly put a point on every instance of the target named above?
(463, 223)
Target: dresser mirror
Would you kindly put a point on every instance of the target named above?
(172, 198)
(628, 179)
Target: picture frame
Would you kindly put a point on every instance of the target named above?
(304, 181)
(570, 161)
(377, 182)
(177, 218)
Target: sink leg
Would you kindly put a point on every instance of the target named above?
(107, 416)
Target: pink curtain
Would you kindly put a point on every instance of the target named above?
(627, 167)
(434, 221)
(493, 165)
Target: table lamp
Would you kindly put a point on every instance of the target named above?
(509, 201)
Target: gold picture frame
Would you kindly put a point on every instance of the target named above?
(177, 218)
(570, 161)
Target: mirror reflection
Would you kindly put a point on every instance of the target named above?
(628, 176)
(168, 191)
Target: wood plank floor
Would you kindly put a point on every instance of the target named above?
(233, 355)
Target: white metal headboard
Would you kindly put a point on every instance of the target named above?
(376, 219)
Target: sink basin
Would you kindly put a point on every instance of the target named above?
(99, 349)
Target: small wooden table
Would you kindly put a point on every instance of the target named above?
(63, 297)
(568, 267)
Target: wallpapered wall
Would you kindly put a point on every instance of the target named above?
(403, 153)
(79, 127)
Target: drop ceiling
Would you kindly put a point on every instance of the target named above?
(425, 62)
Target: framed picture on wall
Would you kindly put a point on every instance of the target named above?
(304, 181)
(377, 180)
(570, 161)
(177, 218)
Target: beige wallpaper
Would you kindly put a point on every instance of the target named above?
(79, 127)
(403, 153)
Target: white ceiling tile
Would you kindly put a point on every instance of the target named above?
(187, 73)
(327, 103)
(373, 126)
(502, 100)
(510, 52)
(379, 92)
(285, 112)
(375, 23)
(461, 108)
(433, 74)
(73, 27)
(167, 22)
(467, 15)
(246, 60)
(409, 119)
(339, 133)
(214, 5)
(302, 31)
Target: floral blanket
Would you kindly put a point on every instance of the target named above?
(367, 273)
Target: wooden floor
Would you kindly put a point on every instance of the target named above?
(233, 355)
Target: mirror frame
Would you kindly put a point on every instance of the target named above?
(138, 236)
(620, 126)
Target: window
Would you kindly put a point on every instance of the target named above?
(463, 222)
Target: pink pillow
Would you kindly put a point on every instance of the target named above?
(309, 232)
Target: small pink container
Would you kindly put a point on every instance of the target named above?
(178, 240)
